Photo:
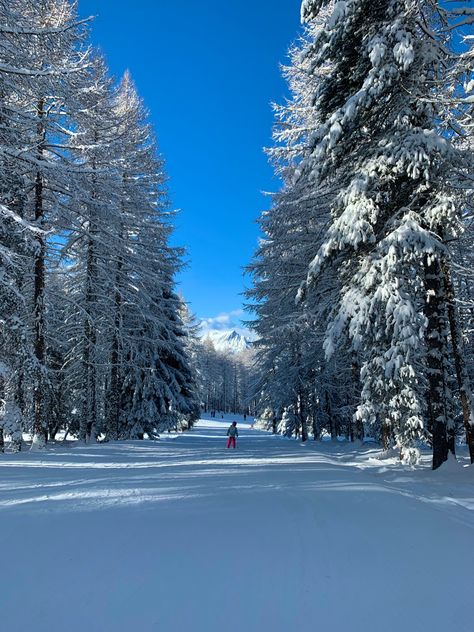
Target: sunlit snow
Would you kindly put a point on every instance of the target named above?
(184, 535)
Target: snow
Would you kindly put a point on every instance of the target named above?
(182, 534)
(404, 51)
(228, 340)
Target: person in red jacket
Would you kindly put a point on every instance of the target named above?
(232, 433)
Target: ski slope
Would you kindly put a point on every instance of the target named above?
(184, 535)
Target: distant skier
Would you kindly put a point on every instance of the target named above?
(232, 433)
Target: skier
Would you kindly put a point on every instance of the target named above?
(232, 433)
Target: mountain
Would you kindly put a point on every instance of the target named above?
(228, 341)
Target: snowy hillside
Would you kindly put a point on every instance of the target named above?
(228, 340)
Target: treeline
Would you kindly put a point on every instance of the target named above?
(91, 338)
(226, 380)
(363, 284)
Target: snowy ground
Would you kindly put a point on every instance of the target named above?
(182, 535)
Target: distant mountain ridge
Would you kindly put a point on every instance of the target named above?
(228, 341)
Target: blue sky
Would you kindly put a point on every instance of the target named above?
(208, 71)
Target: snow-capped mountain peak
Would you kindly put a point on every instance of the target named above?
(228, 340)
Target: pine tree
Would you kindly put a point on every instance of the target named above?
(381, 141)
(290, 354)
(457, 274)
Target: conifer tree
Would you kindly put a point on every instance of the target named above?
(91, 246)
(40, 45)
(39, 103)
(150, 378)
(289, 336)
(87, 272)
(380, 137)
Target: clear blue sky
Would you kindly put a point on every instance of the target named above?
(208, 71)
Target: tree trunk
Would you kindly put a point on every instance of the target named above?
(302, 415)
(114, 404)
(20, 386)
(314, 414)
(332, 424)
(435, 305)
(88, 421)
(465, 393)
(39, 426)
(114, 390)
(357, 426)
(386, 435)
(115, 396)
(89, 412)
(316, 431)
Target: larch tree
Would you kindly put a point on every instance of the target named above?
(91, 340)
(52, 58)
(150, 376)
(40, 45)
(90, 247)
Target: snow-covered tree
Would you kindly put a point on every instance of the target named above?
(226, 380)
(381, 138)
(367, 150)
(289, 337)
(45, 70)
(191, 348)
(91, 245)
(87, 292)
(150, 382)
